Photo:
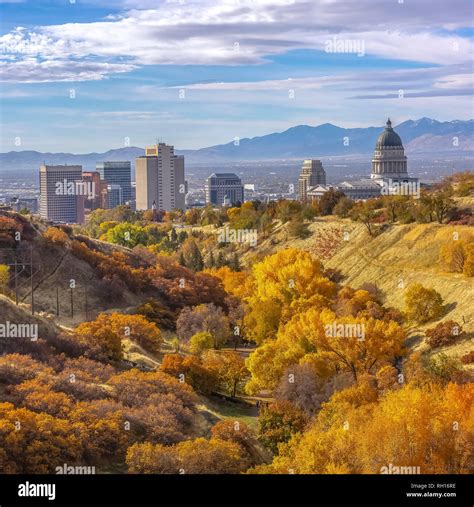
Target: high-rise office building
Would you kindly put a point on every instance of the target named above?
(62, 193)
(117, 173)
(93, 179)
(180, 182)
(312, 174)
(224, 188)
(114, 196)
(160, 181)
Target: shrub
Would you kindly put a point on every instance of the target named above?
(468, 358)
(422, 304)
(445, 333)
(56, 236)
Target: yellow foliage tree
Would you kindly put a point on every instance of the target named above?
(284, 283)
(422, 304)
(354, 344)
(430, 430)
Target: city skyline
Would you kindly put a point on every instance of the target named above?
(236, 69)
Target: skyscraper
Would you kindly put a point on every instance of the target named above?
(93, 178)
(312, 174)
(224, 188)
(62, 193)
(180, 182)
(160, 179)
(117, 173)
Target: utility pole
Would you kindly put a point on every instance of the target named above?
(86, 302)
(16, 284)
(31, 279)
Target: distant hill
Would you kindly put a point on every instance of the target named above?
(420, 137)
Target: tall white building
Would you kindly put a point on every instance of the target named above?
(160, 181)
(62, 193)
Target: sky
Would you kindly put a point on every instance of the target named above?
(92, 75)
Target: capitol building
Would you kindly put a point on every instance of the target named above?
(389, 161)
(389, 173)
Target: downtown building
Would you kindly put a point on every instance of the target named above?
(160, 179)
(312, 174)
(115, 174)
(62, 193)
(224, 189)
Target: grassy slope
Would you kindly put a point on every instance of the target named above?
(407, 253)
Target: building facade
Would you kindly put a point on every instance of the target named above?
(62, 194)
(389, 159)
(160, 179)
(224, 189)
(117, 173)
(93, 178)
(113, 196)
(312, 174)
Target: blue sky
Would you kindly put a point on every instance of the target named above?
(92, 75)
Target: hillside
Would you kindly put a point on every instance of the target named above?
(400, 256)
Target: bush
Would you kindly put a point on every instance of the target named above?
(422, 304)
(56, 236)
(468, 358)
(343, 207)
(445, 333)
(298, 229)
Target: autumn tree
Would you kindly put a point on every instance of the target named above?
(198, 456)
(241, 434)
(191, 370)
(360, 434)
(366, 212)
(56, 236)
(442, 204)
(32, 443)
(468, 269)
(200, 342)
(343, 207)
(453, 256)
(301, 386)
(278, 422)
(283, 283)
(229, 368)
(329, 200)
(422, 304)
(207, 318)
(103, 344)
(156, 312)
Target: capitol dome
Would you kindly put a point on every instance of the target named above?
(388, 137)
(389, 160)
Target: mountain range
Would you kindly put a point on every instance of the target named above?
(423, 137)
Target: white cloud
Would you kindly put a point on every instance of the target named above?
(31, 71)
(206, 32)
